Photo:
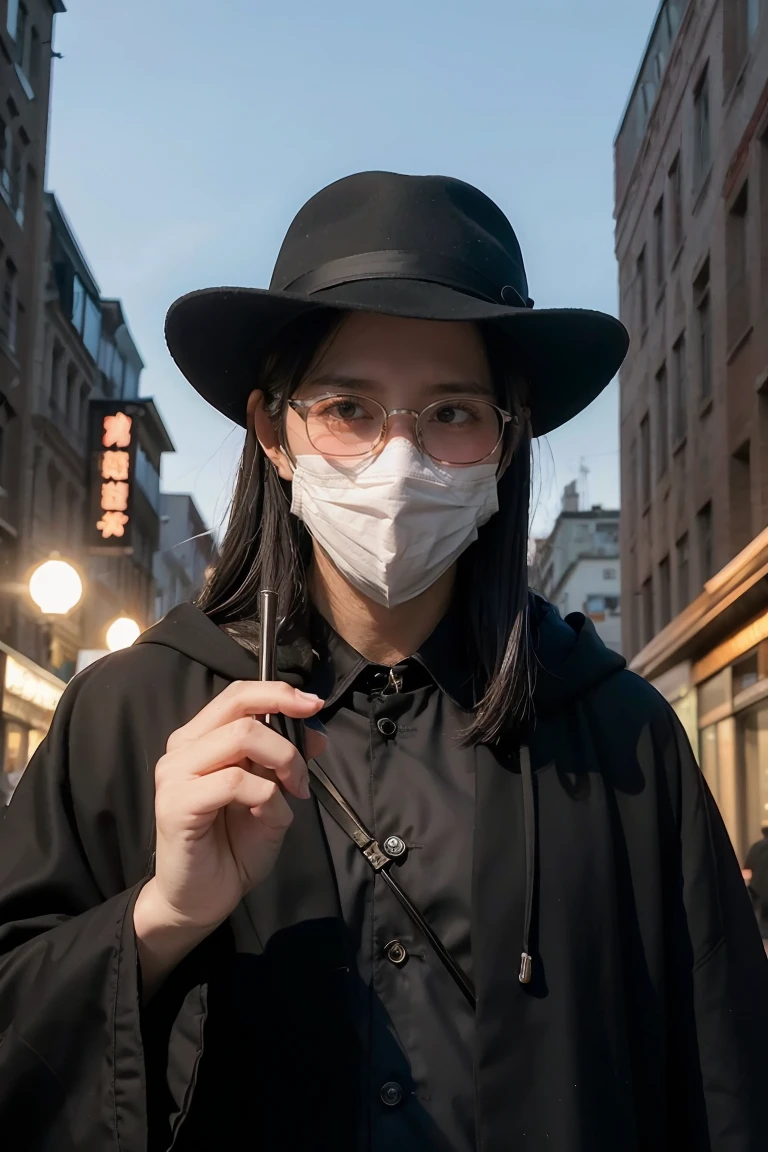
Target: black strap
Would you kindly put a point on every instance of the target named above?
(336, 806)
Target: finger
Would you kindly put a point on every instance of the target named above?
(247, 698)
(207, 795)
(244, 739)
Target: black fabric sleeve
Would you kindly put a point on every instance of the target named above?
(719, 943)
(74, 1045)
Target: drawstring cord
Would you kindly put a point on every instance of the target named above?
(529, 822)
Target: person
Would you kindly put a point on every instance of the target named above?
(755, 873)
(493, 904)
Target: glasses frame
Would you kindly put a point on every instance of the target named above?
(303, 407)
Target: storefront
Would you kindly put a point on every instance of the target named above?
(711, 663)
(30, 697)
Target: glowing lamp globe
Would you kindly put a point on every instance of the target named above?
(55, 587)
(122, 633)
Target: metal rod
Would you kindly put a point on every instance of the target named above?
(268, 601)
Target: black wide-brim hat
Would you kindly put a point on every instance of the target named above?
(424, 247)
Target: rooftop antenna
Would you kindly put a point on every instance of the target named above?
(584, 485)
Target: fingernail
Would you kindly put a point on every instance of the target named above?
(309, 696)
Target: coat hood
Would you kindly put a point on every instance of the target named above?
(571, 659)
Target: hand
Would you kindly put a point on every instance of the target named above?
(221, 816)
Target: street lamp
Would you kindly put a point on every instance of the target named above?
(55, 587)
(122, 633)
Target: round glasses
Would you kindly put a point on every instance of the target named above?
(462, 430)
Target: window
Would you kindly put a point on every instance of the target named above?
(740, 485)
(702, 131)
(647, 603)
(658, 242)
(683, 579)
(753, 18)
(645, 462)
(641, 281)
(18, 180)
(71, 396)
(741, 20)
(595, 606)
(6, 156)
(13, 16)
(131, 382)
(665, 592)
(706, 553)
(92, 326)
(10, 305)
(34, 59)
(609, 573)
(662, 422)
(737, 269)
(21, 35)
(78, 302)
(676, 204)
(632, 486)
(702, 304)
(679, 391)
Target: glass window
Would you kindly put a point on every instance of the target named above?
(92, 326)
(737, 267)
(665, 592)
(706, 554)
(680, 396)
(645, 462)
(78, 302)
(658, 230)
(609, 573)
(13, 16)
(715, 692)
(710, 765)
(9, 311)
(676, 197)
(595, 605)
(702, 137)
(148, 478)
(683, 579)
(754, 737)
(662, 422)
(22, 19)
(641, 280)
(131, 381)
(116, 374)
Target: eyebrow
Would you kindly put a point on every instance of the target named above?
(356, 383)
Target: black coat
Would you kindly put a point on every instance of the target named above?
(644, 1027)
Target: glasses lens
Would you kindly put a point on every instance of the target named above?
(345, 425)
(460, 431)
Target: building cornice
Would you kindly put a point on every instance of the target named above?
(734, 595)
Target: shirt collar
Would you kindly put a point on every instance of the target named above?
(442, 655)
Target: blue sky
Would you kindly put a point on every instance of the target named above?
(185, 135)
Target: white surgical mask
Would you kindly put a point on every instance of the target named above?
(395, 522)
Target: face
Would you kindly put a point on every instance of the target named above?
(400, 363)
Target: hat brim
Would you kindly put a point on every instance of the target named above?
(218, 336)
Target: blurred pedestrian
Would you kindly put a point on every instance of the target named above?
(511, 916)
(755, 873)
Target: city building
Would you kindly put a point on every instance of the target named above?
(86, 359)
(691, 208)
(577, 566)
(26, 34)
(186, 552)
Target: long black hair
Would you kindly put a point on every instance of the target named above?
(264, 546)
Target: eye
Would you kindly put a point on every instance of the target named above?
(455, 413)
(345, 408)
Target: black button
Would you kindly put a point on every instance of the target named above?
(391, 1094)
(386, 726)
(394, 847)
(396, 953)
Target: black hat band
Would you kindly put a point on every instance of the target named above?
(394, 265)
